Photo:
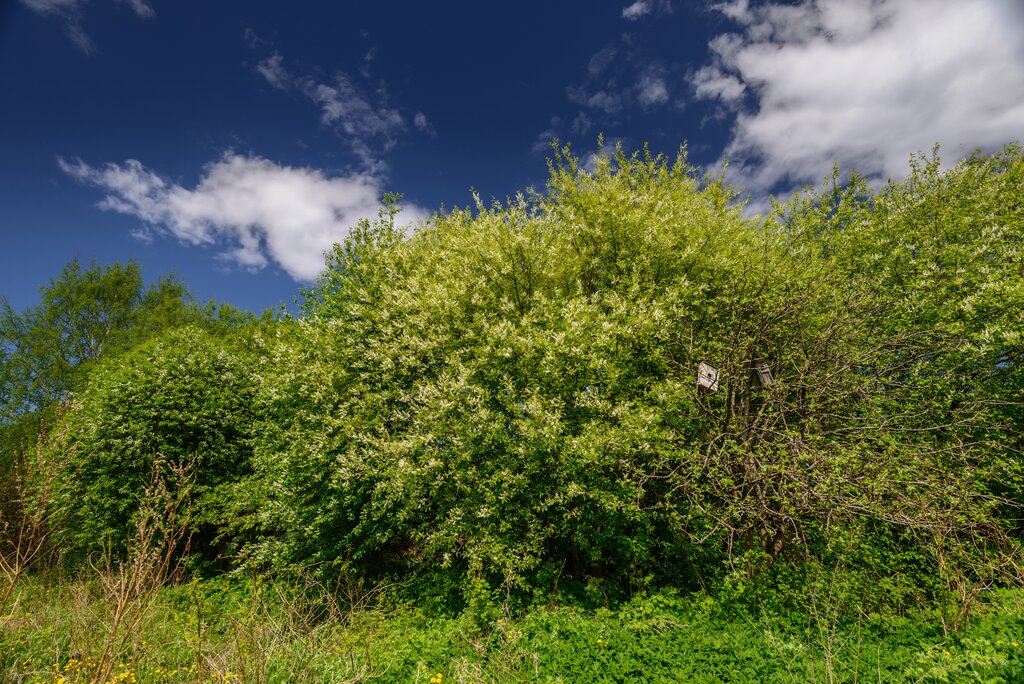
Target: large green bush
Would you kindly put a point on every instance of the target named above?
(503, 403)
(179, 409)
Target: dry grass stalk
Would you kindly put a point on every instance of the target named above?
(24, 520)
(129, 586)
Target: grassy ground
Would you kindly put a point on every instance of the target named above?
(237, 630)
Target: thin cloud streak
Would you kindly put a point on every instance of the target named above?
(69, 12)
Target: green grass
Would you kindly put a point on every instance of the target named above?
(239, 630)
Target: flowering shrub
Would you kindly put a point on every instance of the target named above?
(503, 402)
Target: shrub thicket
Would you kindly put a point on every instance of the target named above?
(180, 408)
(502, 405)
(503, 402)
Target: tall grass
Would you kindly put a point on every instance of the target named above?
(252, 629)
(139, 618)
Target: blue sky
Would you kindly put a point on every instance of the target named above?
(231, 142)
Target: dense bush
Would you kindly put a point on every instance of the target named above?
(503, 402)
(500, 406)
(179, 409)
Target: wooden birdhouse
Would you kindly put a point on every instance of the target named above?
(707, 378)
(761, 373)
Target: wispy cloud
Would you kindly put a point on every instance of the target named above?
(361, 116)
(255, 210)
(711, 82)
(619, 78)
(51, 6)
(611, 99)
(274, 72)
(542, 143)
(652, 90)
(636, 10)
(422, 124)
(69, 12)
(642, 8)
(141, 8)
(863, 83)
(609, 147)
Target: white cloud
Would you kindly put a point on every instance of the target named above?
(652, 91)
(51, 6)
(865, 83)
(607, 101)
(608, 149)
(254, 40)
(636, 10)
(581, 124)
(711, 82)
(255, 210)
(140, 7)
(423, 124)
(602, 59)
(620, 76)
(69, 12)
(343, 104)
(274, 72)
(362, 118)
(542, 143)
(367, 126)
(642, 8)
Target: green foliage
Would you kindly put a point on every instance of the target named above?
(501, 405)
(183, 400)
(497, 412)
(84, 313)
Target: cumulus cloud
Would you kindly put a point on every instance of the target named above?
(255, 210)
(865, 83)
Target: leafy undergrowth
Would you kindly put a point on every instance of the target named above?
(238, 630)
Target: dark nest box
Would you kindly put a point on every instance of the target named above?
(707, 378)
(761, 373)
